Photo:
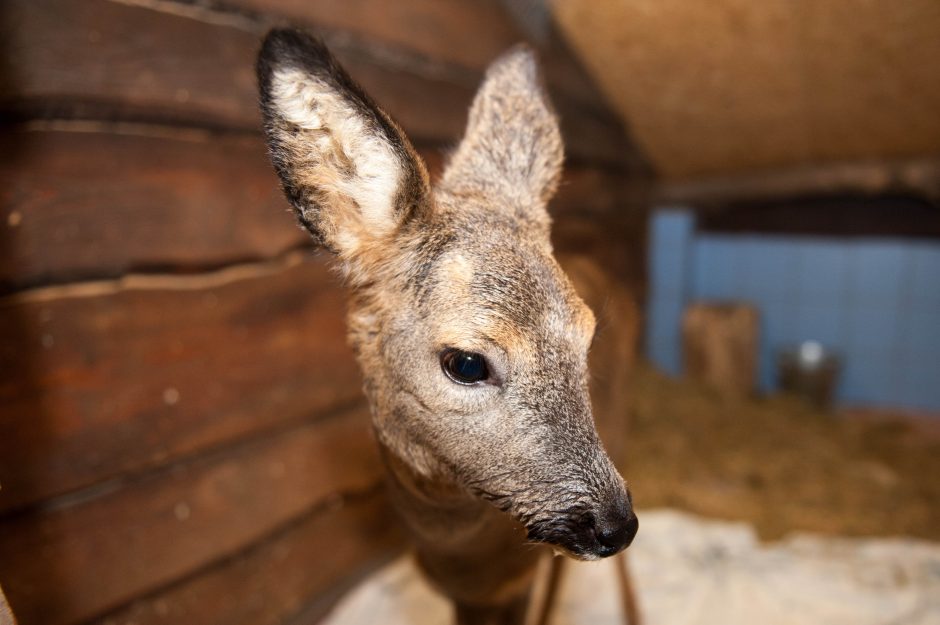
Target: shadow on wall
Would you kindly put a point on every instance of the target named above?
(874, 300)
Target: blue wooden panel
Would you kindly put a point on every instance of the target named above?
(672, 226)
(920, 381)
(865, 377)
(767, 368)
(873, 324)
(665, 354)
(925, 274)
(851, 388)
(824, 270)
(770, 269)
(920, 327)
(715, 266)
(664, 317)
(663, 331)
(920, 373)
(667, 274)
(878, 271)
(780, 325)
(822, 321)
(875, 302)
(669, 260)
(670, 248)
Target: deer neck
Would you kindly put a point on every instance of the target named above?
(470, 550)
(435, 509)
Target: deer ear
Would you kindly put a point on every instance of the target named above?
(346, 167)
(512, 147)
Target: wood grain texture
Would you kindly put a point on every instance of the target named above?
(71, 563)
(116, 59)
(870, 178)
(100, 59)
(103, 202)
(602, 216)
(593, 193)
(299, 571)
(465, 35)
(109, 378)
(85, 201)
(104, 59)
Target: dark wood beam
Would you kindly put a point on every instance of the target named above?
(918, 177)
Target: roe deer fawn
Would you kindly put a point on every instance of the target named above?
(472, 342)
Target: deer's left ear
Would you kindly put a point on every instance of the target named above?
(346, 167)
(512, 149)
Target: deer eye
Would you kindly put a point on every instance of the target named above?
(464, 367)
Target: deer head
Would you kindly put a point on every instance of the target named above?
(472, 342)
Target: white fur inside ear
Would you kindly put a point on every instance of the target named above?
(353, 159)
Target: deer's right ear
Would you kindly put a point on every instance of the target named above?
(346, 167)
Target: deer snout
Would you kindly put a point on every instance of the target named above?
(614, 530)
(600, 531)
(612, 524)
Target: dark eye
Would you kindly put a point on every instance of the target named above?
(464, 367)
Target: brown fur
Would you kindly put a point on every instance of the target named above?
(483, 473)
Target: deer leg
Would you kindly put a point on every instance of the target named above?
(546, 592)
(631, 607)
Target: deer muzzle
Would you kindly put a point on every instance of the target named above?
(589, 530)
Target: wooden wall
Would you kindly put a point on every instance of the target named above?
(182, 434)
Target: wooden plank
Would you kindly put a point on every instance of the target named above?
(107, 378)
(79, 205)
(151, 198)
(918, 177)
(104, 60)
(603, 215)
(468, 35)
(842, 216)
(302, 569)
(158, 198)
(115, 60)
(591, 192)
(615, 245)
(71, 563)
(595, 139)
(97, 52)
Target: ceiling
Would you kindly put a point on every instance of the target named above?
(738, 86)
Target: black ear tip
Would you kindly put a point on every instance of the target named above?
(292, 41)
(291, 47)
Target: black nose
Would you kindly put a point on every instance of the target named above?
(614, 536)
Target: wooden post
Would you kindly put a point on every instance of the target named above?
(719, 344)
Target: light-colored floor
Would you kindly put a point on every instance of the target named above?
(693, 571)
